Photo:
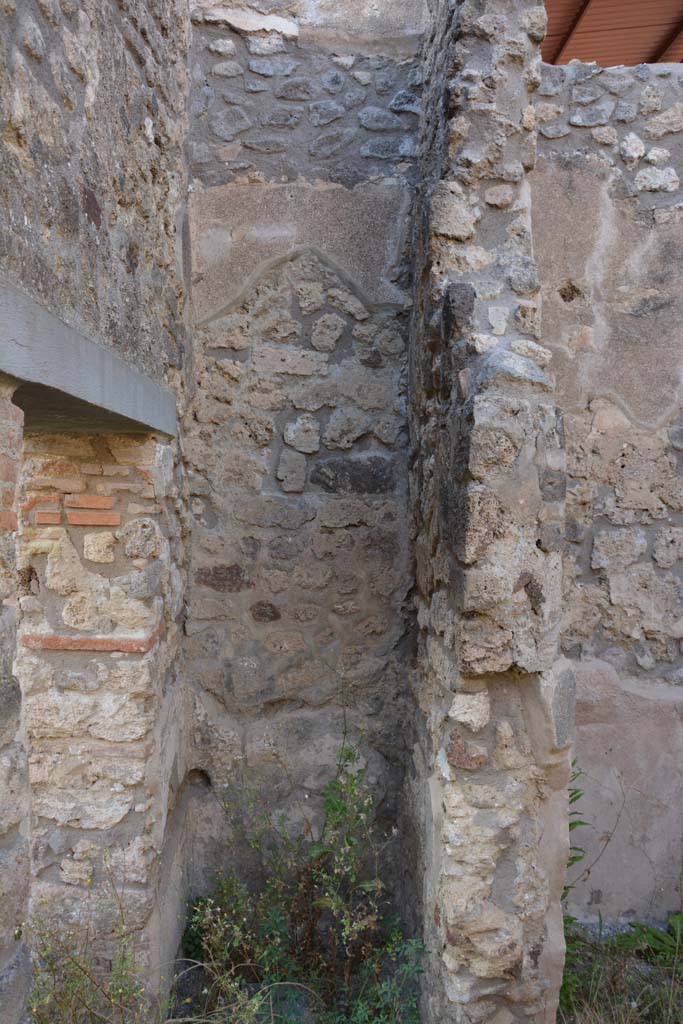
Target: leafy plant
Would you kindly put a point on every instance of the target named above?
(73, 986)
(314, 940)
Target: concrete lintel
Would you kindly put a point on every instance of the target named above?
(37, 347)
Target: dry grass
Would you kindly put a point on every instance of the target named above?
(635, 978)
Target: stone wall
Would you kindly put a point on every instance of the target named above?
(14, 792)
(92, 106)
(297, 631)
(369, 492)
(100, 599)
(495, 697)
(92, 209)
(608, 227)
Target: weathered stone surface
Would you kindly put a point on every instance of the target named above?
(224, 578)
(656, 179)
(303, 433)
(370, 475)
(621, 586)
(487, 484)
(326, 332)
(291, 471)
(332, 220)
(99, 547)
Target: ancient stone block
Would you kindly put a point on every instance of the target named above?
(368, 475)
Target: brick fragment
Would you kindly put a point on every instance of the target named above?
(125, 644)
(88, 501)
(48, 518)
(8, 520)
(77, 517)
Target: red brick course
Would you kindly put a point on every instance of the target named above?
(125, 644)
(87, 518)
(88, 501)
(48, 518)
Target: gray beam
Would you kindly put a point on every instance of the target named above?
(35, 346)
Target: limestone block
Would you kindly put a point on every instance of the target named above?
(618, 549)
(326, 332)
(451, 214)
(291, 471)
(303, 434)
(471, 709)
(99, 547)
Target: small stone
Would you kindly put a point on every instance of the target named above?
(32, 39)
(655, 179)
(554, 130)
(348, 303)
(375, 119)
(385, 80)
(501, 367)
(345, 428)
(141, 538)
(265, 144)
(264, 611)
(471, 709)
(227, 69)
(226, 579)
(462, 754)
(353, 98)
(283, 117)
(296, 89)
(523, 277)
(330, 143)
(404, 148)
(592, 116)
(667, 123)
(263, 46)
(345, 61)
(368, 475)
(616, 80)
(332, 82)
(552, 80)
(530, 350)
(324, 111)
(625, 112)
(617, 549)
(326, 332)
(657, 156)
(362, 77)
(268, 67)
(650, 100)
(644, 657)
(405, 102)
(288, 360)
(535, 22)
(303, 434)
(498, 319)
(546, 112)
(500, 196)
(585, 94)
(99, 547)
(230, 123)
(311, 296)
(632, 149)
(668, 547)
(291, 471)
(224, 47)
(605, 136)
